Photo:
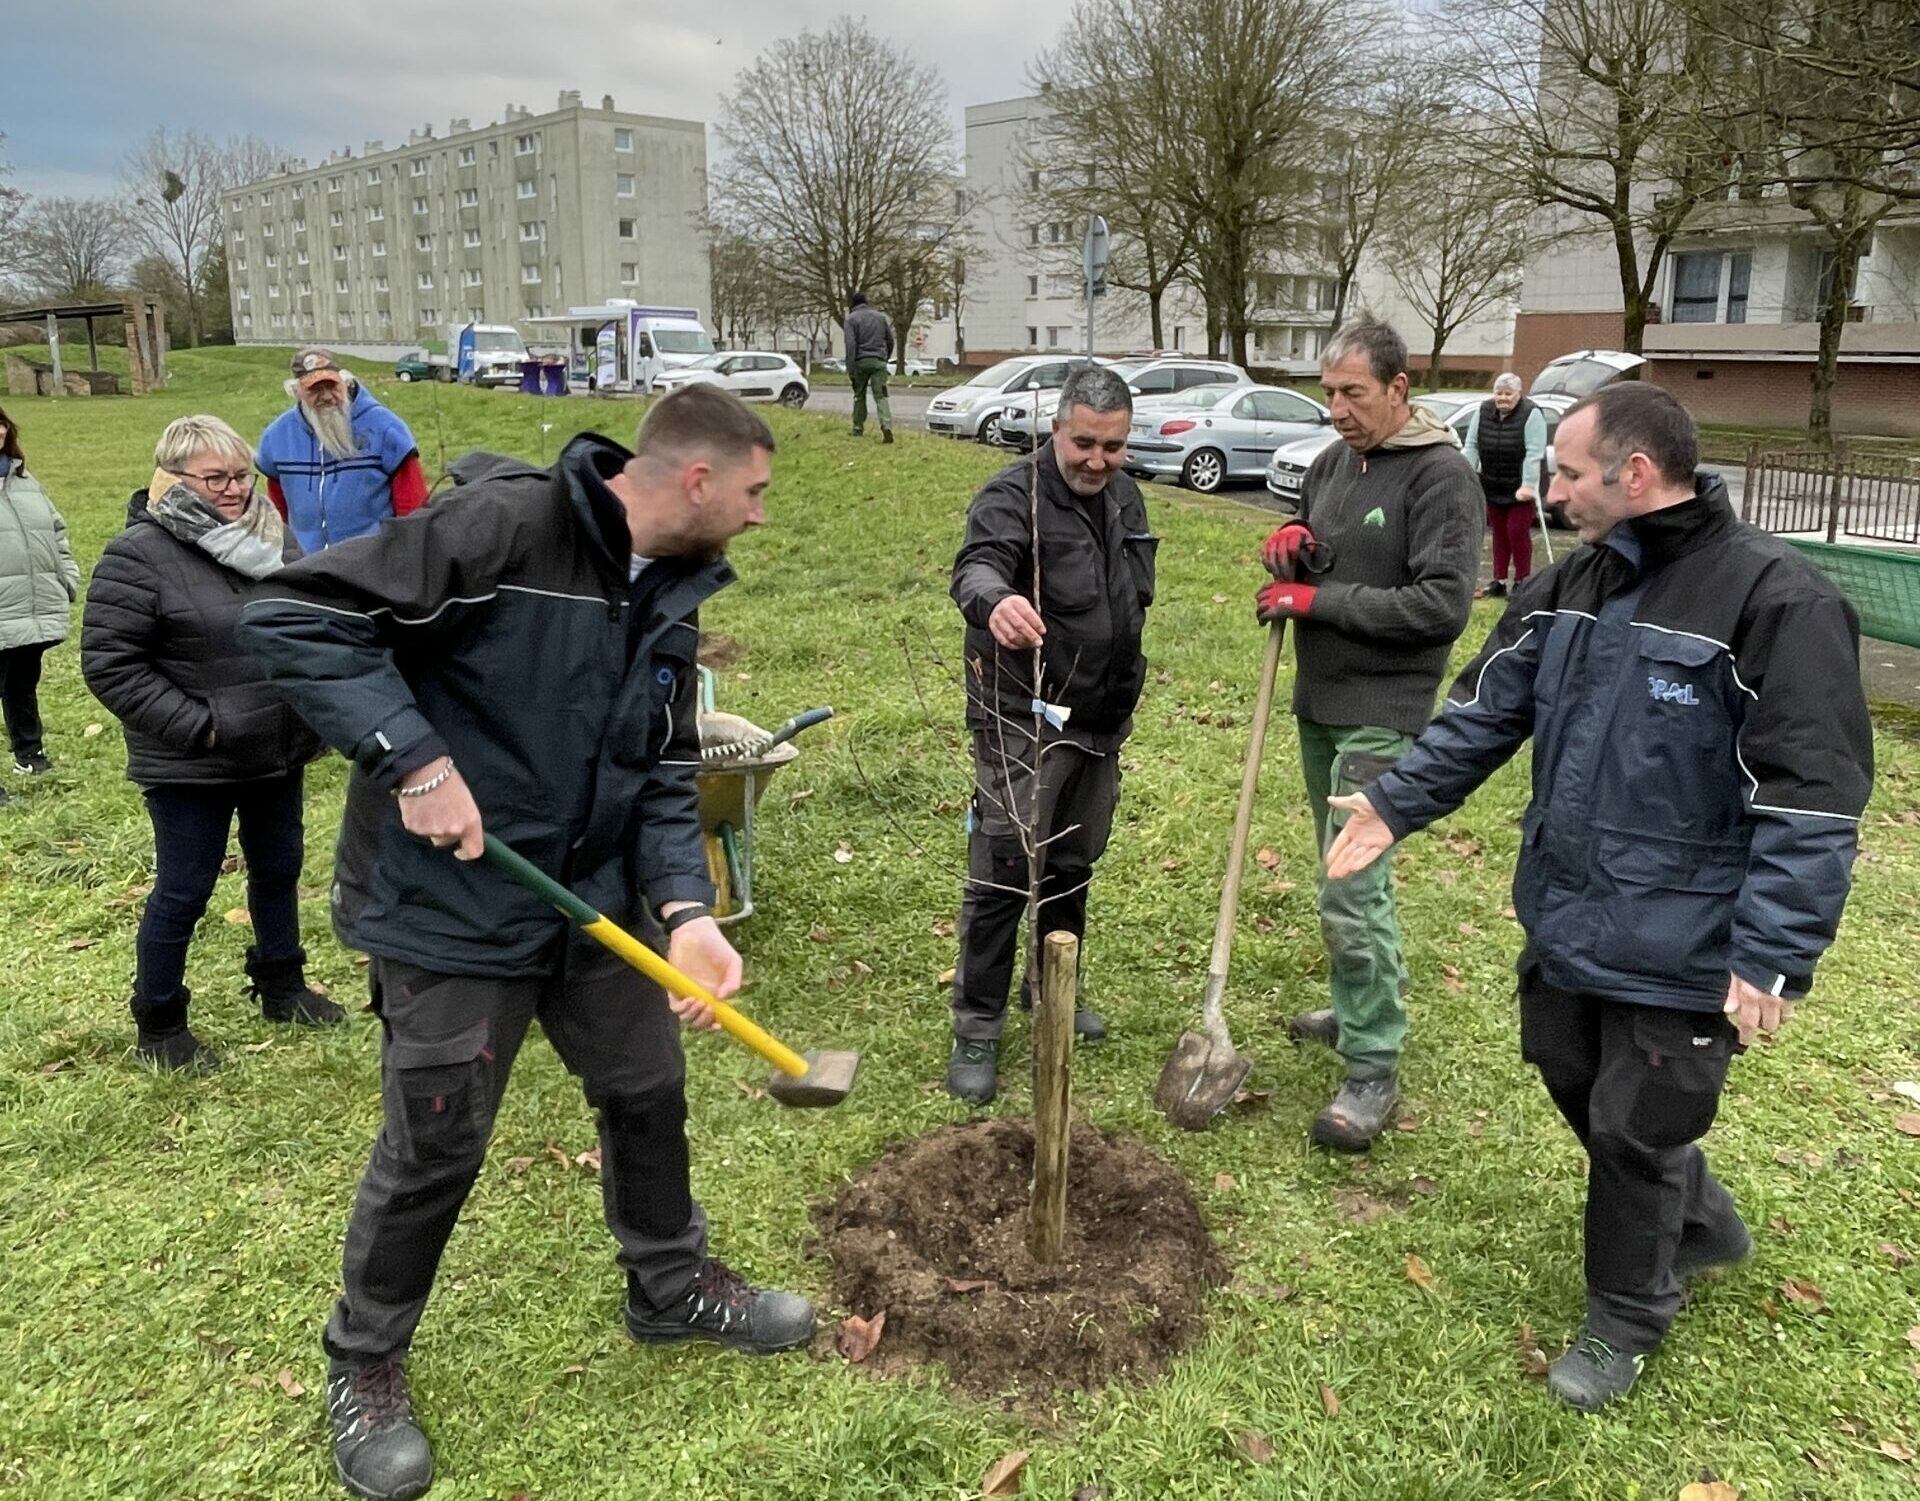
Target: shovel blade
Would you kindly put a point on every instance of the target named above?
(1198, 1081)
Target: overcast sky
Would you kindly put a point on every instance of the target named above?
(85, 77)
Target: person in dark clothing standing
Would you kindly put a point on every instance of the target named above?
(1507, 442)
(869, 341)
(207, 740)
(524, 653)
(1398, 510)
(1701, 758)
(1052, 788)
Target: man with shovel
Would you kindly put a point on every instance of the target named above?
(1046, 757)
(1397, 508)
(524, 651)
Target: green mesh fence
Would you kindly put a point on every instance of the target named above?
(1883, 586)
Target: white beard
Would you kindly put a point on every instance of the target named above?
(333, 426)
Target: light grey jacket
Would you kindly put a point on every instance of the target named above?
(39, 580)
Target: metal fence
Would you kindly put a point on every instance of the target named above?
(1818, 493)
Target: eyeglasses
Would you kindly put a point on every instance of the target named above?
(219, 479)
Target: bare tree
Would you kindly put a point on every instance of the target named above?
(1374, 168)
(832, 139)
(1456, 247)
(12, 201)
(72, 247)
(918, 267)
(172, 182)
(738, 279)
(1596, 113)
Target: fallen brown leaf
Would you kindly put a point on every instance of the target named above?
(945, 979)
(58, 1066)
(861, 967)
(751, 1090)
(1896, 1253)
(1533, 1360)
(1252, 1099)
(1329, 1400)
(1359, 1207)
(1420, 1275)
(91, 730)
(1096, 1492)
(1255, 1448)
(1913, 1336)
(1709, 1490)
(968, 1285)
(1170, 866)
(1509, 914)
(1780, 1226)
(1805, 1294)
(1269, 859)
(288, 1385)
(558, 1154)
(835, 984)
(1468, 930)
(1003, 1475)
(1425, 1187)
(519, 1165)
(1450, 976)
(857, 1337)
(943, 928)
(240, 917)
(1771, 1309)
(1898, 1452)
(1908, 1124)
(799, 796)
(75, 945)
(589, 1159)
(1222, 1182)
(819, 935)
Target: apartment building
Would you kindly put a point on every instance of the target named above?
(520, 218)
(1024, 290)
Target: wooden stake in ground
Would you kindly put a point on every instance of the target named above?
(1052, 1095)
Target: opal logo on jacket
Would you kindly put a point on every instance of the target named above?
(1375, 517)
(1663, 692)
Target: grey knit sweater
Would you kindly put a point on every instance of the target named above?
(1403, 522)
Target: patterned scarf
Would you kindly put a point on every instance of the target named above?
(254, 545)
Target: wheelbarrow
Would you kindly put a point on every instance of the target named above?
(738, 759)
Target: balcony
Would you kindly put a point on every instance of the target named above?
(1885, 332)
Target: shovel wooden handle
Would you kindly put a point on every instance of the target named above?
(611, 936)
(1243, 820)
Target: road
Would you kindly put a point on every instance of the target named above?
(909, 405)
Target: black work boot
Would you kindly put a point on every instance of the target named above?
(1359, 1112)
(1089, 1026)
(378, 1449)
(164, 1040)
(281, 987)
(33, 764)
(970, 1071)
(886, 435)
(1314, 1026)
(1725, 1244)
(722, 1306)
(1592, 1373)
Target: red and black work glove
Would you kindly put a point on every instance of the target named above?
(1283, 601)
(1281, 551)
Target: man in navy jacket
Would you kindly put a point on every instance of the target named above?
(1701, 758)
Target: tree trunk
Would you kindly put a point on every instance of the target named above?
(1052, 1096)
(1833, 328)
(1433, 357)
(1155, 317)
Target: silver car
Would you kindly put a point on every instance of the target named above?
(1148, 378)
(1209, 435)
(973, 410)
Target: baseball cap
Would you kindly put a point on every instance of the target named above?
(311, 366)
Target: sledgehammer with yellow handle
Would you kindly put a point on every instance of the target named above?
(816, 1079)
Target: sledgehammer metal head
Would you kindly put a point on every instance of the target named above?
(827, 1081)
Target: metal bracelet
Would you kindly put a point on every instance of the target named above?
(432, 783)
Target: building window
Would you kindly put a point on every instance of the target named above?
(629, 273)
(266, 231)
(528, 188)
(466, 156)
(469, 198)
(1053, 233)
(300, 257)
(470, 278)
(272, 260)
(1033, 336)
(1739, 278)
(530, 276)
(1696, 288)
(423, 282)
(376, 214)
(336, 219)
(299, 226)
(340, 285)
(1033, 234)
(335, 184)
(622, 138)
(266, 200)
(274, 290)
(379, 284)
(428, 315)
(1033, 286)
(246, 294)
(625, 229)
(1053, 338)
(279, 320)
(419, 205)
(379, 247)
(346, 322)
(423, 242)
(239, 263)
(471, 238)
(533, 231)
(373, 177)
(623, 184)
(239, 237)
(523, 145)
(418, 167)
(246, 321)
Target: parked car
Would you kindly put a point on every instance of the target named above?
(417, 364)
(1147, 378)
(831, 362)
(1583, 372)
(922, 367)
(1287, 470)
(752, 375)
(1448, 404)
(1208, 435)
(972, 410)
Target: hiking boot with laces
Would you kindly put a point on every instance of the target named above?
(1592, 1373)
(970, 1070)
(378, 1450)
(1314, 1026)
(723, 1306)
(1359, 1112)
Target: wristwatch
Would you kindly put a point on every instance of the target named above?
(685, 915)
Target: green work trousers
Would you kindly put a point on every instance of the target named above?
(871, 375)
(1365, 972)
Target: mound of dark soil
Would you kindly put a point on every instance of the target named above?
(934, 1235)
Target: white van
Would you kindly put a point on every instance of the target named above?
(623, 346)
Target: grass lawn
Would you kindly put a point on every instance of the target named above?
(172, 1246)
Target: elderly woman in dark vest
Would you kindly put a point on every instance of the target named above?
(207, 739)
(1507, 442)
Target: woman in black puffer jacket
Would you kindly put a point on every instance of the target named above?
(206, 737)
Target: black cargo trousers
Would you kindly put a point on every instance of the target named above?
(1639, 1085)
(1071, 785)
(448, 1043)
